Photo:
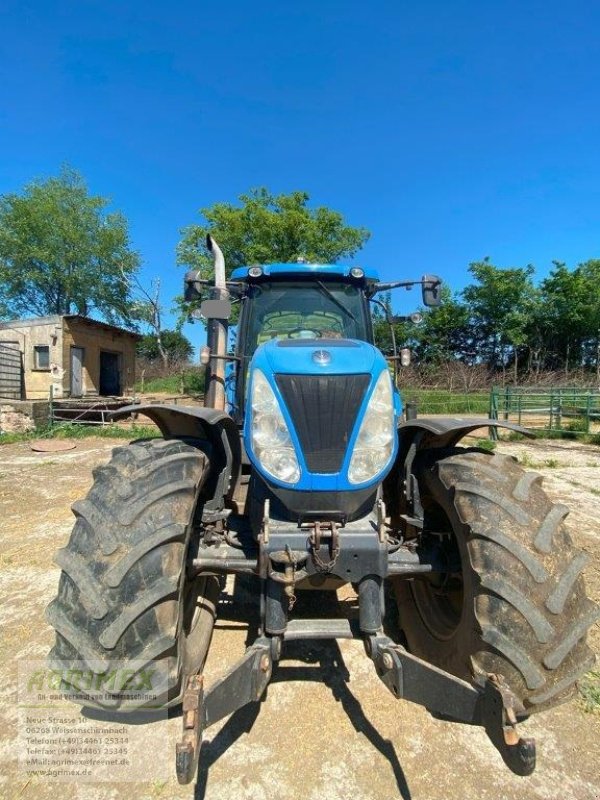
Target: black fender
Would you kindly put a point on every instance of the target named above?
(213, 426)
(448, 431)
(400, 490)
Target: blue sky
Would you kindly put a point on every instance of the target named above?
(452, 130)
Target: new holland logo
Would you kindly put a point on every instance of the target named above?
(321, 357)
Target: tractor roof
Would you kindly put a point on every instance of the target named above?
(296, 269)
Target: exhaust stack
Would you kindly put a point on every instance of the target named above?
(214, 396)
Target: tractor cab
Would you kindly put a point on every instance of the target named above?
(310, 304)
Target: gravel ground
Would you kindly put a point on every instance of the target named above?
(328, 728)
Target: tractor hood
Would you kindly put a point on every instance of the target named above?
(320, 357)
(306, 404)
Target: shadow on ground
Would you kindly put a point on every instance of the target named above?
(320, 662)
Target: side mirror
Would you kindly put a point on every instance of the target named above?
(432, 291)
(215, 309)
(192, 287)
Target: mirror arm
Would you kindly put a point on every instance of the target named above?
(390, 321)
(226, 357)
(385, 287)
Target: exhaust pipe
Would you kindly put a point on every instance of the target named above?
(218, 260)
(214, 392)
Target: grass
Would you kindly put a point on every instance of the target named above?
(579, 485)
(67, 431)
(169, 385)
(589, 690)
(550, 463)
(526, 460)
(191, 382)
(443, 401)
(577, 425)
(513, 436)
(486, 444)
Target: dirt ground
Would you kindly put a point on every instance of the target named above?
(327, 729)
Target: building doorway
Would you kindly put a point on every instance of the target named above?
(76, 371)
(11, 371)
(110, 374)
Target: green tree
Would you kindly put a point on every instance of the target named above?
(570, 321)
(61, 252)
(589, 276)
(446, 332)
(267, 228)
(563, 318)
(499, 306)
(177, 347)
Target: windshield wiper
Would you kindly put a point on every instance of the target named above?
(334, 299)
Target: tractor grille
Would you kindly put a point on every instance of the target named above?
(323, 409)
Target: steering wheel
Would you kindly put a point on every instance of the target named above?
(317, 334)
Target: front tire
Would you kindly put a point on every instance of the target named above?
(517, 603)
(123, 599)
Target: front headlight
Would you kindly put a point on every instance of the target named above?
(375, 441)
(271, 441)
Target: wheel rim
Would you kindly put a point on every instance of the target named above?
(195, 620)
(439, 601)
(439, 596)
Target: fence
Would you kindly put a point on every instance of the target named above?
(570, 410)
(84, 410)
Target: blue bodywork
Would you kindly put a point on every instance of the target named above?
(361, 358)
(327, 270)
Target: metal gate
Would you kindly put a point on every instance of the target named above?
(569, 410)
(11, 371)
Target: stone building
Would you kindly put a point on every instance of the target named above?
(76, 356)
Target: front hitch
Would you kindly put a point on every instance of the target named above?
(492, 705)
(244, 683)
(360, 553)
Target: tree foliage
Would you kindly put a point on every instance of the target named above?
(62, 252)
(266, 228)
(502, 320)
(498, 306)
(176, 346)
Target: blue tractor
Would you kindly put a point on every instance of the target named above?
(301, 472)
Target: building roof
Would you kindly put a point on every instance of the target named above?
(104, 325)
(55, 319)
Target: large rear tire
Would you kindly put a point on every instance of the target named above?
(123, 599)
(517, 606)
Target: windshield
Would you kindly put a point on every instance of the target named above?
(315, 310)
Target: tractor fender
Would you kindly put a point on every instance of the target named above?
(447, 431)
(209, 424)
(429, 433)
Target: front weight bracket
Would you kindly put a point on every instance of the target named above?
(492, 705)
(244, 683)
(500, 723)
(187, 750)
